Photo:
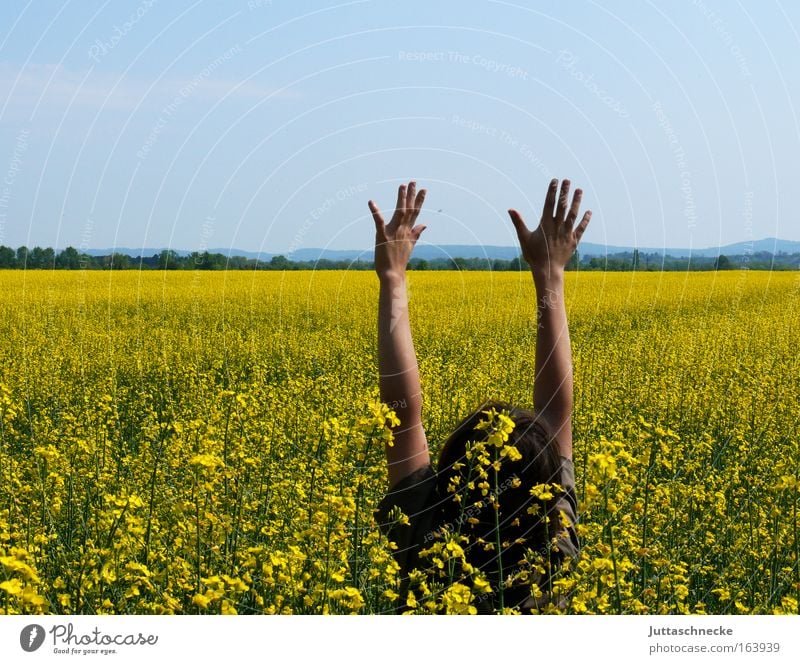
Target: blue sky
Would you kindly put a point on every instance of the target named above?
(268, 125)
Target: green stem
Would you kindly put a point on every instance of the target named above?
(796, 548)
(650, 463)
(463, 492)
(496, 506)
(617, 597)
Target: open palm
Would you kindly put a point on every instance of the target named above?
(555, 239)
(395, 241)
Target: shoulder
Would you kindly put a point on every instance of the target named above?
(411, 494)
(567, 471)
(568, 482)
(422, 475)
(567, 508)
(406, 515)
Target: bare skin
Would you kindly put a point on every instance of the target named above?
(397, 362)
(547, 251)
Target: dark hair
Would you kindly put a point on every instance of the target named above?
(540, 464)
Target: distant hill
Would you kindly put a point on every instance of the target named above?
(770, 244)
(428, 252)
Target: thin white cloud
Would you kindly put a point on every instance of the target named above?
(53, 87)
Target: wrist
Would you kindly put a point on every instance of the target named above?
(391, 277)
(548, 275)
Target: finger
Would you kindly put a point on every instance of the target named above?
(579, 231)
(417, 231)
(518, 222)
(401, 198)
(380, 226)
(411, 193)
(420, 199)
(572, 215)
(563, 200)
(550, 200)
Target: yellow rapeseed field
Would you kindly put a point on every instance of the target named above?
(213, 443)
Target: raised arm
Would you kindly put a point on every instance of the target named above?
(547, 251)
(397, 362)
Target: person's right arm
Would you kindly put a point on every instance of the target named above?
(547, 251)
(397, 361)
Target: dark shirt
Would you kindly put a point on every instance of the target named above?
(417, 497)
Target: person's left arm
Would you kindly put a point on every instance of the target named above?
(397, 362)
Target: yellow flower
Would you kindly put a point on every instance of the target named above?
(208, 461)
(241, 440)
(12, 587)
(542, 491)
(481, 585)
(200, 600)
(457, 600)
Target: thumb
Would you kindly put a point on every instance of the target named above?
(519, 224)
(417, 231)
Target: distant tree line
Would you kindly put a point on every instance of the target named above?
(654, 262)
(71, 259)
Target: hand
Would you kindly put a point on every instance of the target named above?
(395, 241)
(552, 244)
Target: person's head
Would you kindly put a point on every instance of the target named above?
(474, 515)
